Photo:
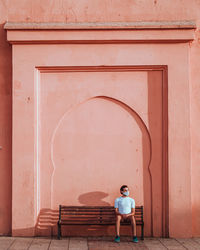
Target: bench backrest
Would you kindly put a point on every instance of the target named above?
(93, 215)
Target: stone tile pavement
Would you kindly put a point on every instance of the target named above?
(95, 243)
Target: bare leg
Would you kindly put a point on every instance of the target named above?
(118, 219)
(133, 223)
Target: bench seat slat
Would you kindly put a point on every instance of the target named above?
(96, 223)
(74, 208)
(92, 207)
(67, 217)
(93, 211)
(90, 213)
(87, 210)
(88, 217)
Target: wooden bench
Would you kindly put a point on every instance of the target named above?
(94, 215)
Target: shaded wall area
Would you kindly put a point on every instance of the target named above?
(5, 126)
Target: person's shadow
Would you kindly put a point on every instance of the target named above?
(93, 199)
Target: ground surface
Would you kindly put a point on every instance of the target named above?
(95, 243)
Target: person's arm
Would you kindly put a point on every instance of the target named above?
(132, 207)
(117, 211)
(132, 211)
(116, 207)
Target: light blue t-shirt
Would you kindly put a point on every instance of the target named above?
(124, 204)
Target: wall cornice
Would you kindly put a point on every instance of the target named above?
(97, 33)
(102, 26)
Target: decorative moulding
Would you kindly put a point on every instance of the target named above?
(107, 25)
(89, 33)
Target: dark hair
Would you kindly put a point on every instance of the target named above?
(122, 188)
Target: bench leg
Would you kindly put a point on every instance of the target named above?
(142, 233)
(59, 231)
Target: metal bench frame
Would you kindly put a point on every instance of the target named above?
(94, 215)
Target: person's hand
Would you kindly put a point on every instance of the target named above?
(124, 216)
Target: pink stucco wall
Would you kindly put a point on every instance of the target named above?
(115, 11)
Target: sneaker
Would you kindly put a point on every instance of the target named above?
(135, 239)
(117, 239)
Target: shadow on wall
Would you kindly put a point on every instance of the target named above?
(47, 222)
(93, 199)
(47, 219)
(46, 225)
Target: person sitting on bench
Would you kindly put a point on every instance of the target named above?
(125, 210)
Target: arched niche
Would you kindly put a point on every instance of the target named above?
(97, 146)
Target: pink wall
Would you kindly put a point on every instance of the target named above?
(100, 10)
(106, 11)
(195, 136)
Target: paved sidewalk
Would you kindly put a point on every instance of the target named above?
(95, 243)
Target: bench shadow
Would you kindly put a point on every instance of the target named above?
(47, 222)
(93, 199)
